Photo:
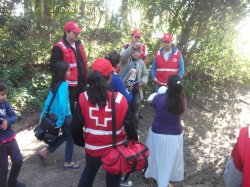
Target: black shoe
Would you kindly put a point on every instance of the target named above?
(18, 184)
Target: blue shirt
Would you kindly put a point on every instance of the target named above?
(60, 106)
(180, 61)
(7, 113)
(117, 84)
(164, 121)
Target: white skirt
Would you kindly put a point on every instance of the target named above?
(166, 158)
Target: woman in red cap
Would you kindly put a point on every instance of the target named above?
(95, 118)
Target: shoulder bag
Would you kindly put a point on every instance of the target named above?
(128, 157)
(47, 130)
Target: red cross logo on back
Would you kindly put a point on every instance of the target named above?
(100, 116)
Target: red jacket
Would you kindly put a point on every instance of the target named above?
(70, 57)
(241, 155)
(166, 68)
(98, 123)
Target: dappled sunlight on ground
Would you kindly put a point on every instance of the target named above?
(28, 143)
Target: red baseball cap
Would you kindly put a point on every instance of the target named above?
(103, 66)
(72, 26)
(136, 32)
(167, 37)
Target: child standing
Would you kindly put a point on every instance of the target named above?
(60, 110)
(8, 143)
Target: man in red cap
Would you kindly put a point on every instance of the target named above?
(168, 60)
(71, 50)
(135, 38)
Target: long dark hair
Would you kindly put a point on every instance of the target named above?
(3, 86)
(97, 89)
(58, 74)
(113, 57)
(176, 95)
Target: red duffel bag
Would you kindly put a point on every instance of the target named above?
(128, 157)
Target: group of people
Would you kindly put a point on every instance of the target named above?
(82, 108)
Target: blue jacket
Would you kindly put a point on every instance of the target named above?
(117, 84)
(7, 113)
(60, 106)
(181, 63)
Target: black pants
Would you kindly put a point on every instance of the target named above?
(91, 168)
(73, 98)
(10, 149)
(135, 105)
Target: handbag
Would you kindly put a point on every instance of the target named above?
(47, 130)
(128, 157)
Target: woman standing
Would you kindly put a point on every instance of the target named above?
(60, 110)
(165, 137)
(95, 112)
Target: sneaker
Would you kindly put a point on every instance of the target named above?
(125, 183)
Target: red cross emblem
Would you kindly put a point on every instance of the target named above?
(100, 116)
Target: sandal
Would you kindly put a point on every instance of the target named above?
(73, 165)
(43, 159)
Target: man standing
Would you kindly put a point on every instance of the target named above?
(168, 60)
(71, 50)
(135, 38)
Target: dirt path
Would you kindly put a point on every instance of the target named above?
(211, 128)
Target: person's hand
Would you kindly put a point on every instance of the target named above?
(141, 83)
(4, 125)
(129, 86)
(136, 46)
(155, 81)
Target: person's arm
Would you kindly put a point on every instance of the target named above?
(12, 117)
(181, 67)
(63, 97)
(126, 54)
(56, 55)
(117, 84)
(77, 124)
(144, 76)
(153, 69)
(46, 105)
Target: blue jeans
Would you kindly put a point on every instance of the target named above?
(91, 168)
(10, 149)
(66, 135)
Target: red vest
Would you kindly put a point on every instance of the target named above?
(98, 123)
(166, 68)
(70, 58)
(241, 155)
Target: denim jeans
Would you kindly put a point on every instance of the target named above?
(10, 149)
(135, 105)
(66, 135)
(91, 168)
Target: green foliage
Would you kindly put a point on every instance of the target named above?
(203, 30)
